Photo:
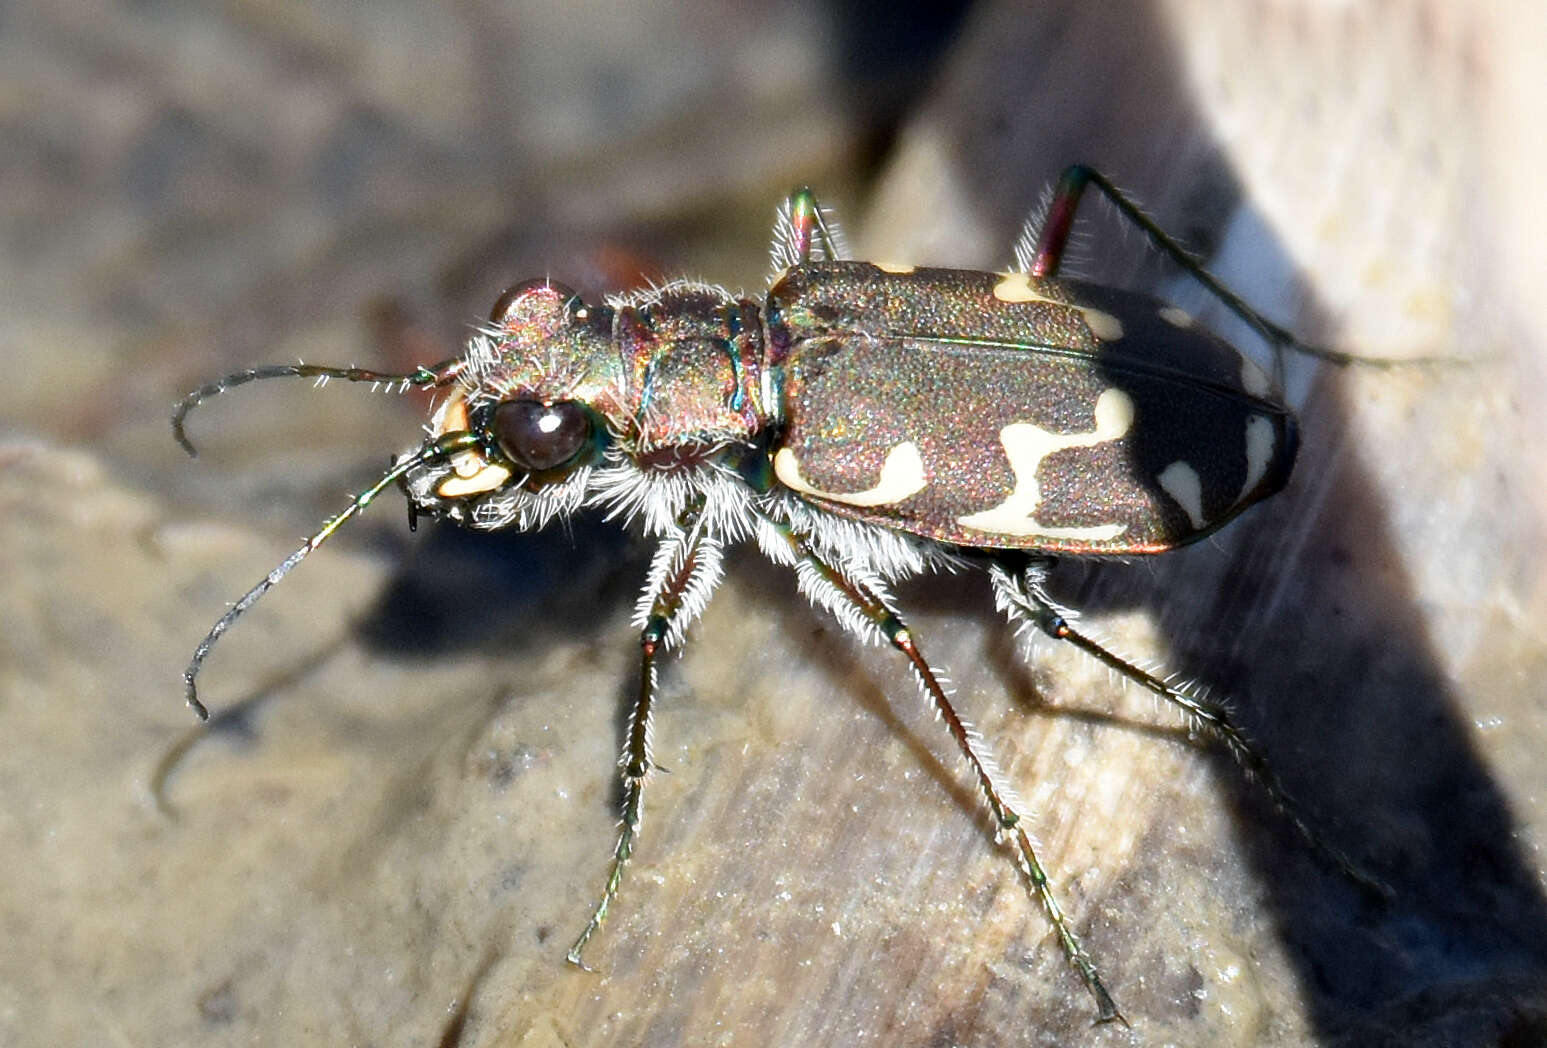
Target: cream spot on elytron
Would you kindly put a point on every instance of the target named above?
(1255, 380)
(1181, 482)
(1259, 452)
(894, 267)
(1103, 325)
(460, 484)
(1016, 287)
(1179, 318)
(902, 474)
(1026, 445)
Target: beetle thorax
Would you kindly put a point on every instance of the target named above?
(692, 357)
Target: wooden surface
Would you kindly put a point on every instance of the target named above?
(404, 809)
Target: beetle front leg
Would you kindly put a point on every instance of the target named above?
(1024, 598)
(683, 574)
(862, 607)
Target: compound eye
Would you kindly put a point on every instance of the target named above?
(541, 437)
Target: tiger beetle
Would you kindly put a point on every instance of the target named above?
(863, 423)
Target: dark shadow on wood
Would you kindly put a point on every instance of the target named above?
(1301, 611)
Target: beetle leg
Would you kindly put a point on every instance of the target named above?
(804, 231)
(1040, 252)
(1024, 598)
(860, 602)
(683, 574)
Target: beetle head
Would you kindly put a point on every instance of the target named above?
(542, 389)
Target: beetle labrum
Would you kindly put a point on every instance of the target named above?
(799, 421)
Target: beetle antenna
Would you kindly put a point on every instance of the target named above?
(443, 447)
(421, 377)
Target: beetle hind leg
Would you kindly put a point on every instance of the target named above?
(1040, 252)
(861, 605)
(1022, 595)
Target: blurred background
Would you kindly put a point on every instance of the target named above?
(404, 806)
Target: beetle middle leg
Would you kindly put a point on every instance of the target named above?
(1020, 592)
(683, 573)
(861, 605)
(804, 231)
